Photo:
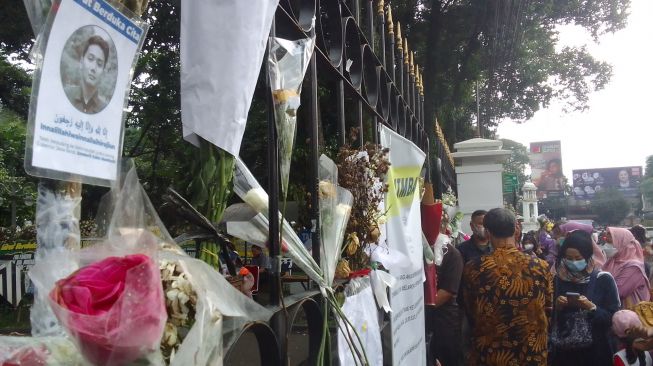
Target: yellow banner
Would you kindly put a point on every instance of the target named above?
(403, 183)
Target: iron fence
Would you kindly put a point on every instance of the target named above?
(371, 75)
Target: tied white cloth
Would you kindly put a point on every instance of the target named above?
(380, 282)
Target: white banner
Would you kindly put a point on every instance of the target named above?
(77, 110)
(404, 245)
(222, 48)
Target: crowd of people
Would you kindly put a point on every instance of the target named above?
(562, 295)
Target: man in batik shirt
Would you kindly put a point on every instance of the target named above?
(506, 295)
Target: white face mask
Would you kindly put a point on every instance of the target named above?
(528, 247)
(479, 231)
(609, 250)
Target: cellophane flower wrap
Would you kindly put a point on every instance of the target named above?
(33, 351)
(205, 312)
(113, 308)
(250, 191)
(335, 207)
(287, 64)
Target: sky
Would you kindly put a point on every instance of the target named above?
(617, 130)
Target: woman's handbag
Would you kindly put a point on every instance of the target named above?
(576, 330)
(575, 333)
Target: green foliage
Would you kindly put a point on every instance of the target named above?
(15, 186)
(516, 163)
(647, 190)
(15, 87)
(649, 167)
(610, 206)
(509, 48)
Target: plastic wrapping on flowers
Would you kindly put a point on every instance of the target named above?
(250, 191)
(287, 64)
(335, 207)
(28, 351)
(121, 306)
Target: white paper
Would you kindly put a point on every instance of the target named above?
(404, 235)
(362, 314)
(222, 48)
(81, 94)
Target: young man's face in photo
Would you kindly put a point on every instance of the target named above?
(92, 65)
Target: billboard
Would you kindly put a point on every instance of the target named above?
(546, 168)
(588, 182)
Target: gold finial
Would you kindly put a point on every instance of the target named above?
(406, 53)
(379, 7)
(421, 83)
(411, 61)
(390, 24)
(399, 37)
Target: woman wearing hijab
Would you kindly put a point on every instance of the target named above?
(626, 264)
(585, 300)
(598, 256)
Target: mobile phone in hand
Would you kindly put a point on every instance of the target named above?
(572, 299)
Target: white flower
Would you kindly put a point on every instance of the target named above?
(342, 210)
(257, 198)
(170, 334)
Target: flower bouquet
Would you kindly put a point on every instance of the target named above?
(287, 64)
(250, 191)
(363, 174)
(335, 207)
(113, 308)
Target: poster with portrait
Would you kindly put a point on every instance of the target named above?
(589, 182)
(546, 168)
(80, 91)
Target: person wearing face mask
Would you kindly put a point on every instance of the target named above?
(507, 294)
(626, 264)
(478, 244)
(564, 229)
(530, 245)
(585, 300)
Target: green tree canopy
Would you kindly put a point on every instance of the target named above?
(16, 188)
(511, 49)
(516, 163)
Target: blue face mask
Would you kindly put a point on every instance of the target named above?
(576, 266)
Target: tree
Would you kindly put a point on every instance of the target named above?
(17, 190)
(610, 206)
(649, 167)
(646, 187)
(509, 48)
(516, 163)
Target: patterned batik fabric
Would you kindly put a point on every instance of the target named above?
(506, 294)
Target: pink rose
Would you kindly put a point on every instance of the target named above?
(114, 308)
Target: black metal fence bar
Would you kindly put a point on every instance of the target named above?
(385, 86)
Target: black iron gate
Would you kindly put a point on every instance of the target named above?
(371, 77)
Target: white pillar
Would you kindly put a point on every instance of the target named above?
(479, 164)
